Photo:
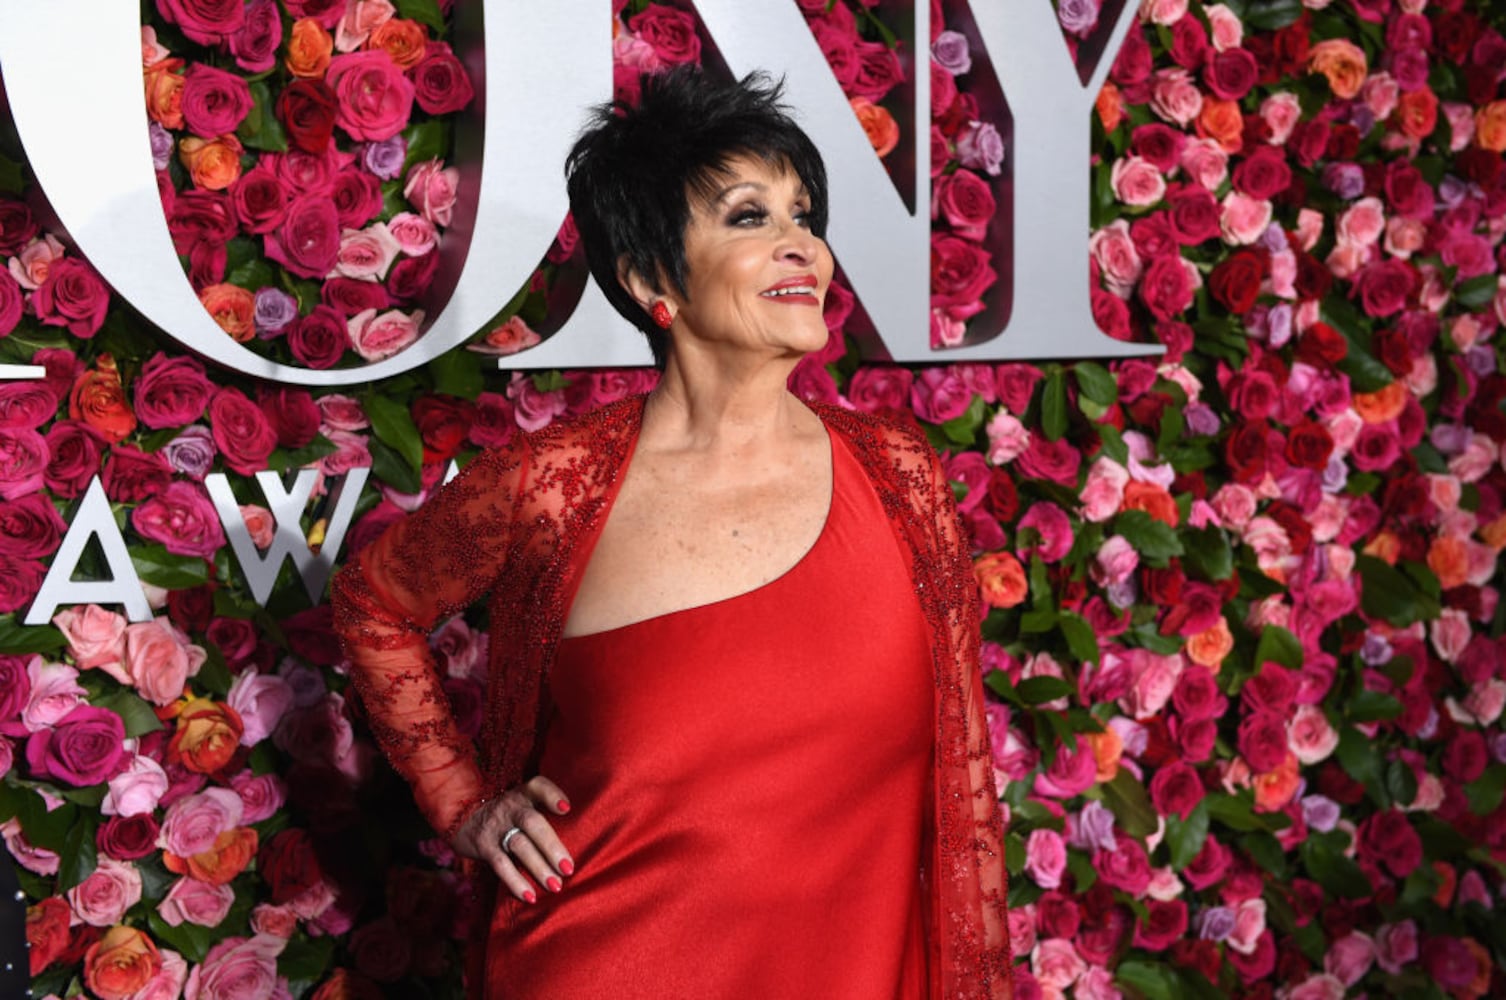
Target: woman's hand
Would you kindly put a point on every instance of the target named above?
(534, 848)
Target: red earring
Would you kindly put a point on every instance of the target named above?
(660, 313)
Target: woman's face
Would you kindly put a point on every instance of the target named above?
(756, 274)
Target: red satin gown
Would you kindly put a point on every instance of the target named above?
(748, 782)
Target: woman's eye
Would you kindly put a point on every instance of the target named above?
(749, 217)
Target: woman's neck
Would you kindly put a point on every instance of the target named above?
(731, 406)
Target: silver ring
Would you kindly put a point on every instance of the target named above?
(506, 837)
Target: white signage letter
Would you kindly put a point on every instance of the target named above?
(93, 517)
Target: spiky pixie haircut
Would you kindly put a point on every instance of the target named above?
(634, 170)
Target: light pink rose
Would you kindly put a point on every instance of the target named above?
(1283, 278)
(55, 692)
(1227, 30)
(1281, 112)
(1175, 97)
(260, 524)
(1482, 706)
(1362, 223)
(1272, 545)
(1115, 562)
(338, 412)
(1450, 633)
(1380, 92)
(1310, 736)
(414, 234)
(1103, 492)
(1244, 219)
(194, 902)
(351, 452)
(167, 984)
(365, 254)
(192, 823)
(160, 660)
(512, 336)
(1007, 438)
(1056, 963)
(1096, 984)
(1310, 225)
(1319, 987)
(534, 409)
(274, 921)
(37, 860)
(137, 789)
(1471, 464)
(1118, 260)
(262, 700)
(1021, 929)
(316, 902)
(236, 969)
(1045, 857)
(1154, 679)
(1205, 162)
(362, 17)
(375, 337)
(95, 638)
(1163, 12)
(102, 899)
(1461, 120)
(1350, 957)
(1396, 946)
(261, 795)
(431, 189)
(1137, 182)
(31, 266)
(1249, 924)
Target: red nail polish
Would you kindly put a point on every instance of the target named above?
(553, 883)
(529, 897)
(563, 806)
(567, 867)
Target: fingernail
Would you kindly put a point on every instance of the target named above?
(553, 883)
(566, 866)
(562, 806)
(529, 897)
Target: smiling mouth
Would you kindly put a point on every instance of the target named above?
(791, 291)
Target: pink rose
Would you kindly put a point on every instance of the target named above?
(37, 860)
(669, 32)
(431, 188)
(27, 405)
(194, 902)
(96, 638)
(1249, 924)
(1137, 182)
(1118, 261)
(1310, 736)
(23, 462)
(160, 660)
(376, 99)
(1056, 964)
(967, 202)
(261, 795)
(1007, 438)
(167, 983)
(255, 44)
(236, 968)
(137, 790)
(360, 20)
(1045, 857)
(1205, 162)
(1052, 533)
(192, 823)
(1125, 867)
(339, 412)
(366, 254)
(1245, 219)
(1114, 563)
(55, 692)
(375, 337)
(1450, 633)
(182, 518)
(415, 235)
(208, 22)
(84, 747)
(939, 395)
(214, 101)
(274, 921)
(1281, 112)
(1350, 957)
(1362, 223)
(308, 240)
(1396, 946)
(1103, 493)
(1071, 773)
(110, 890)
(1174, 97)
(261, 700)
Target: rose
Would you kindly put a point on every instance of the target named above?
(308, 108)
(980, 147)
(1342, 63)
(214, 101)
(1396, 946)
(431, 189)
(1167, 287)
(309, 50)
(110, 890)
(194, 902)
(136, 790)
(124, 960)
(357, 197)
(182, 518)
(1235, 281)
(1045, 857)
(20, 581)
(160, 661)
(1231, 73)
(308, 240)
(241, 431)
(46, 932)
(30, 527)
(261, 795)
(965, 200)
(171, 391)
(403, 40)
(54, 693)
(83, 748)
(255, 44)
(1176, 789)
(1174, 97)
(208, 22)
(440, 83)
(213, 164)
(1126, 867)
(381, 950)
(261, 700)
(1118, 260)
(1387, 839)
(289, 864)
(15, 689)
(1001, 579)
(669, 32)
(1165, 922)
(193, 823)
(1310, 736)
(375, 98)
(318, 339)
(191, 452)
(1054, 461)
(236, 968)
(1136, 181)
(366, 254)
(72, 296)
(206, 737)
(1263, 174)
(1384, 286)
(375, 337)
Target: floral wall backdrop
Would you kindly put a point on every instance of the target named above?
(1243, 629)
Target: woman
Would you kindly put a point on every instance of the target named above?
(734, 742)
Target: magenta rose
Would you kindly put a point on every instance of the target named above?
(84, 748)
(128, 837)
(1194, 213)
(1177, 789)
(11, 303)
(357, 197)
(131, 475)
(72, 296)
(183, 519)
(1166, 287)
(1231, 73)
(208, 22)
(15, 693)
(1384, 286)
(965, 200)
(255, 44)
(326, 12)
(27, 405)
(200, 217)
(308, 240)
(260, 199)
(241, 431)
(440, 83)
(350, 296)
(1125, 867)
(1054, 461)
(1262, 741)
(74, 449)
(1164, 923)
(1388, 839)
(214, 102)
(318, 340)
(669, 32)
(376, 99)
(23, 461)
(960, 271)
(876, 388)
(171, 391)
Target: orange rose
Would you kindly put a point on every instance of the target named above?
(309, 49)
(1108, 748)
(1001, 578)
(1480, 985)
(1110, 106)
(1448, 558)
(164, 93)
(1490, 127)
(878, 125)
(1274, 789)
(1210, 646)
(1385, 546)
(1416, 113)
(1152, 499)
(214, 164)
(1222, 122)
(1448, 879)
(120, 963)
(98, 399)
(231, 853)
(233, 308)
(207, 736)
(404, 41)
(1381, 405)
(1494, 533)
(1342, 62)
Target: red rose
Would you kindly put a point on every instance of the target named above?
(1455, 33)
(293, 415)
(127, 838)
(1384, 286)
(319, 339)
(1273, 689)
(308, 240)
(443, 423)
(1235, 282)
(1002, 499)
(1308, 142)
(960, 271)
(171, 392)
(1177, 789)
(74, 449)
(1195, 739)
(12, 303)
(241, 431)
(1189, 43)
(440, 83)
(288, 863)
(1309, 446)
(1394, 350)
(1197, 610)
(410, 277)
(1388, 840)
(200, 217)
(1133, 64)
(17, 227)
(235, 638)
(1166, 288)
(1253, 394)
(1321, 346)
(879, 71)
(72, 296)
(1154, 236)
(132, 475)
(1408, 192)
(1262, 741)
(349, 296)
(214, 102)
(311, 635)
(1194, 213)
(965, 200)
(191, 608)
(357, 197)
(1102, 934)
(1231, 73)
(669, 32)
(1160, 144)
(326, 12)
(47, 931)
(1165, 921)
(1263, 174)
(1111, 314)
(307, 108)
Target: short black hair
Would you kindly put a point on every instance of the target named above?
(633, 170)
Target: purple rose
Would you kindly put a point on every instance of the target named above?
(208, 22)
(950, 50)
(85, 748)
(162, 146)
(214, 102)
(385, 158)
(192, 452)
(1215, 923)
(11, 302)
(1078, 17)
(183, 519)
(980, 147)
(274, 310)
(255, 45)
(309, 239)
(171, 391)
(72, 296)
(1346, 180)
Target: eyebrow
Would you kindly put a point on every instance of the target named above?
(725, 193)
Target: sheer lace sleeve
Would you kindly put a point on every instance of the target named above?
(425, 568)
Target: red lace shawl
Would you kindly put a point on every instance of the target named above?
(518, 525)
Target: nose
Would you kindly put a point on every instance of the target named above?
(797, 244)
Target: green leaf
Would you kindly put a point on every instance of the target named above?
(1361, 759)
(17, 639)
(1233, 811)
(1477, 292)
(1272, 15)
(455, 373)
(1266, 851)
(1388, 593)
(1485, 792)
(422, 11)
(1334, 872)
(79, 855)
(427, 140)
(1082, 641)
(155, 565)
(392, 469)
(1372, 706)
(962, 430)
(306, 958)
(1186, 837)
(190, 940)
(1113, 443)
(393, 425)
(137, 715)
(1096, 382)
(1054, 406)
(1278, 645)
(1401, 782)
(1040, 690)
(260, 129)
(1155, 540)
(12, 176)
(1131, 806)
(1152, 980)
(1208, 553)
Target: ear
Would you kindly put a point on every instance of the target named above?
(643, 291)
